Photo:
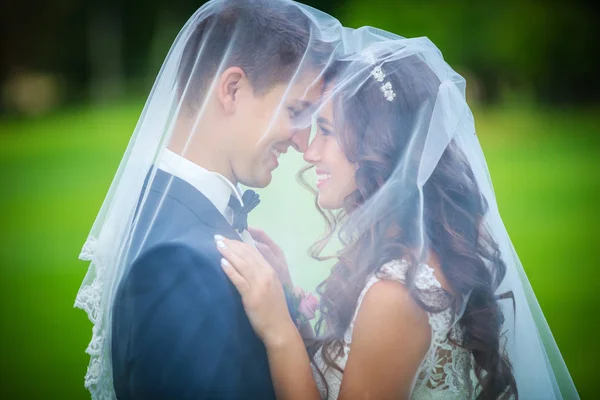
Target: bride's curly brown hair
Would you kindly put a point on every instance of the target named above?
(448, 215)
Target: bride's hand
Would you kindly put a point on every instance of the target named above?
(273, 254)
(261, 291)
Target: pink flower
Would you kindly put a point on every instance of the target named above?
(308, 306)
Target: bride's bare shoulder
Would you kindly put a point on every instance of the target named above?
(391, 333)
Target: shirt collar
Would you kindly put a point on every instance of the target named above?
(214, 186)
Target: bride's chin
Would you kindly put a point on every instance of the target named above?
(325, 203)
(321, 203)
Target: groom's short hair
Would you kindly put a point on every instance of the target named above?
(268, 39)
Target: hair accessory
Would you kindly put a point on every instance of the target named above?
(388, 92)
(379, 76)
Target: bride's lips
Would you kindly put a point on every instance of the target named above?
(322, 177)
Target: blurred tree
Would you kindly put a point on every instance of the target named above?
(543, 47)
(102, 50)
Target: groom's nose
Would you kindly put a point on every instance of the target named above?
(300, 139)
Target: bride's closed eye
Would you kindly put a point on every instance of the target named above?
(325, 126)
(324, 131)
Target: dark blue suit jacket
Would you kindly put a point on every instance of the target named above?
(179, 330)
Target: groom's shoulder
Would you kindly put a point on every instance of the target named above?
(176, 250)
(177, 260)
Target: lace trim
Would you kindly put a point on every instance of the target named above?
(89, 248)
(89, 298)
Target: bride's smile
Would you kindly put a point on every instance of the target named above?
(335, 173)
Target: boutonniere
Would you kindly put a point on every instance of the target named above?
(302, 305)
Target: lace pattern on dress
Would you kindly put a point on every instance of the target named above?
(446, 370)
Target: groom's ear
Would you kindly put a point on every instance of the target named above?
(228, 90)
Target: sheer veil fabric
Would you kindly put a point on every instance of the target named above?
(334, 64)
(180, 115)
(400, 113)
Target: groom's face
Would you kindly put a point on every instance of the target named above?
(269, 124)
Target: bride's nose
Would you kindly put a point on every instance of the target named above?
(312, 154)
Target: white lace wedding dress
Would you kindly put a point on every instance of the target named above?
(446, 372)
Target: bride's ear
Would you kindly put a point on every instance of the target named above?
(228, 90)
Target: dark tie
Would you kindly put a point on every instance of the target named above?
(240, 214)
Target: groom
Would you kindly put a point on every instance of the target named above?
(248, 72)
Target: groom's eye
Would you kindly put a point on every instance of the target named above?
(293, 112)
(301, 117)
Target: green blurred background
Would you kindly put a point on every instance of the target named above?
(73, 80)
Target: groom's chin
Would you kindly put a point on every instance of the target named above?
(265, 180)
(258, 181)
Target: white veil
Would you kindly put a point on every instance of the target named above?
(429, 183)
(539, 369)
(295, 58)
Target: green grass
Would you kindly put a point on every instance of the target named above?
(56, 170)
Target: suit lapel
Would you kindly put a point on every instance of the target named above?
(172, 186)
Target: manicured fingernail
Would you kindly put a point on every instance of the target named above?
(221, 244)
(225, 263)
(218, 237)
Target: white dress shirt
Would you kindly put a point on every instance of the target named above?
(214, 186)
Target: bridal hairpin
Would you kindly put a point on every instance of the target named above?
(379, 76)
(378, 73)
(388, 92)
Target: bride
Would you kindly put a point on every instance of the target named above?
(427, 298)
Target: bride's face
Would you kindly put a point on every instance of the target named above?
(335, 174)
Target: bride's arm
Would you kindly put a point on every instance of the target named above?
(290, 367)
(264, 302)
(276, 258)
(390, 339)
